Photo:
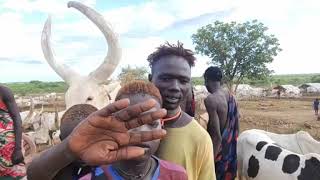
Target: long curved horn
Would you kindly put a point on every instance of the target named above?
(104, 71)
(66, 73)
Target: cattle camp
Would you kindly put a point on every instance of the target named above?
(159, 90)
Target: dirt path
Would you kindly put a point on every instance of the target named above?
(280, 116)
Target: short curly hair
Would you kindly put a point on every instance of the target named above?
(73, 116)
(139, 86)
(78, 112)
(213, 73)
(168, 49)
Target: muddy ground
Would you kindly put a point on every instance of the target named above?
(279, 116)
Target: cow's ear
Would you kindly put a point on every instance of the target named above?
(150, 77)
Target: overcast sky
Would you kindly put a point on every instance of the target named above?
(142, 26)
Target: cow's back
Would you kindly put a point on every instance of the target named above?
(261, 158)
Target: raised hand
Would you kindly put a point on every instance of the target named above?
(103, 137)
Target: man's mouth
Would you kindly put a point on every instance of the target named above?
(172, 99)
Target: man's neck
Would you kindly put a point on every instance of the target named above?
(179, 122)
(172, 113)
(134, 168)
(215, 86)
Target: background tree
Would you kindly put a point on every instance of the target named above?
(242, 50)
(129, 74)
(315, 79)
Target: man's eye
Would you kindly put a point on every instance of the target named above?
(184, 81)
(165, 79)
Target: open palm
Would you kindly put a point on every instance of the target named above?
(103, 137)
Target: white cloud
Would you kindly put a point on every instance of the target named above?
(292, 21)
(17, 39)
(56, 7)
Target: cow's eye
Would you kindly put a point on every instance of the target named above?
(89, 98)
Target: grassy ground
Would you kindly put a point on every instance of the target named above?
(38, 87)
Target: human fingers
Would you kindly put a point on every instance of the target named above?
(113, 107)
(145, 136)
(135, 110)
(125, 153)
(145, 119)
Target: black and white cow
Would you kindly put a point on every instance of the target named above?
(268, 156)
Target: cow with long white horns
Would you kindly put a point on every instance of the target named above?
(94, 89)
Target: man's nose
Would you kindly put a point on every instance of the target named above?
(175, 85)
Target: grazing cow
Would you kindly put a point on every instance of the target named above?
(269, 156)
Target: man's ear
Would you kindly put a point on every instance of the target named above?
(150, 77)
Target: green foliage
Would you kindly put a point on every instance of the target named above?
(129, 74)
(242, 50)
(293, 79)
(36, 87)
(197, 81)
(315, 79)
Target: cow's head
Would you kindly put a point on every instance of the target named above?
(95, 88)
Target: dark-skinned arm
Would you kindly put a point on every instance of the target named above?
(102, 138)
(13, 110)
(51, 162)
(213, 127)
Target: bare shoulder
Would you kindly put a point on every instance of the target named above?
(211, 99)
(5, 92)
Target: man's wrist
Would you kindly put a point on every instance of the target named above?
(67, 151)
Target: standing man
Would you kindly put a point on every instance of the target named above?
(187, 143)
(223, 125)
(316, 106)
(11, 157)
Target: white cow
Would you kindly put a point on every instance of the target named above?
(94, 89)
(269, 156)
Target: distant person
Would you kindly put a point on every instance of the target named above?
(223, 125)
(279, 93)
(11, 158)
(316, 106)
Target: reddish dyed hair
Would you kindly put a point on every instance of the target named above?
(141, 87)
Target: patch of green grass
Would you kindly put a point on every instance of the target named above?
(37, 87)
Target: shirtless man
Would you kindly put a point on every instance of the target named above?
(223, 125)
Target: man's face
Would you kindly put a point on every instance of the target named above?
(152, 146)
(172, 76)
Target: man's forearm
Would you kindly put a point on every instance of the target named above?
(17, 125)
(50, 162)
